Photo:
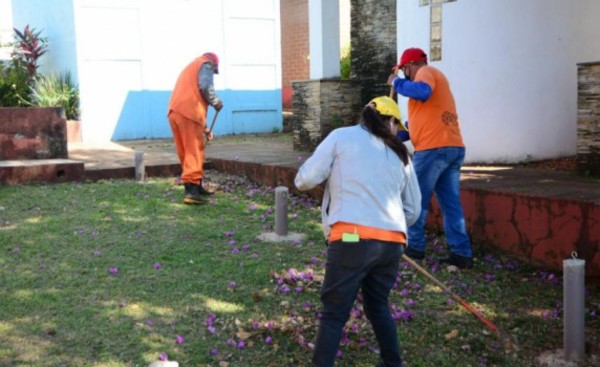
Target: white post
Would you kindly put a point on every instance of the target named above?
(324, 38)
(140, 168)
(281, 214)
(574, 308)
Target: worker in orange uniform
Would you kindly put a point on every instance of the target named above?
(188, 107)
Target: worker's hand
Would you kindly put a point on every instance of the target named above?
(209, 134)
(219, 105)
(390, 80)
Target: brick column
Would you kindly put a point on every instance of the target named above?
(588, 118)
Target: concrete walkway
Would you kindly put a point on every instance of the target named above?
(273, 151)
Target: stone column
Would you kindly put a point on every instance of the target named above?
(321, 106)
(374, 45)
(588, 118)
(326, 102)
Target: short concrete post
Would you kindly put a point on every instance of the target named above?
(574, 308)
(281, 213)
(140, 167)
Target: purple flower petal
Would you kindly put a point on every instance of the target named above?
(163, 356)
(179, 339)
(156, 266)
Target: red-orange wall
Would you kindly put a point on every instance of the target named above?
(294, 46)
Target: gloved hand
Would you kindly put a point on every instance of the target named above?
(218, 106)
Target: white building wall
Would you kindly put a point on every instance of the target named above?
(512, 67)
(127, 54)
(6, 31)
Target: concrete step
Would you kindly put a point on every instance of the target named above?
(16, 172)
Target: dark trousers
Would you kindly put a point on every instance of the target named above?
(372, 267)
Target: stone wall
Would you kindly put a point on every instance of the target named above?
(32, 133)
(373, 40)
(588, 119)
(321, 106)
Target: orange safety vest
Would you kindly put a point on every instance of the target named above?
(186, 98)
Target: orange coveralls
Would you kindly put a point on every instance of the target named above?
(187, 116)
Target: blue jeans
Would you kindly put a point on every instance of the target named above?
(368, 265)
(438, 170)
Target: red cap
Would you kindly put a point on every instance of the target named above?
(411, 55)
(215, 60)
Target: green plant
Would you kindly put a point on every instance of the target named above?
(56, 91)
(14, 86)
(345, 62)
(18, 75)
(29, 47)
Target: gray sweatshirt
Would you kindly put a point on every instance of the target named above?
(367, 183)
(205, 84)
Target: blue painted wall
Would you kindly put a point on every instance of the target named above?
(144, 114)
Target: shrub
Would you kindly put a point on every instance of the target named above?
(19, 74)
(56, 91)
(14, 86)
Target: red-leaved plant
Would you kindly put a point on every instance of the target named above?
(29, 47)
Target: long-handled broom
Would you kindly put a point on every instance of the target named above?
(453, 295)
(212, 124)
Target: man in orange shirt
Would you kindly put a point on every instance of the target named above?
(439, 153)
(188, 107)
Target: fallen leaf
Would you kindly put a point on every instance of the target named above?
(452, 334)
(243, 335)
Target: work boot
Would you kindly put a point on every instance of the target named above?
(202, 190)
(414, 254)
(460, 262)
(192, 195)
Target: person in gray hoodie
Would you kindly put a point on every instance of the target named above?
(371, 196)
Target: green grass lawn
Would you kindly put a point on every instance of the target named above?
(118, 273)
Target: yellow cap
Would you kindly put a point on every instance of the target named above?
(388, 107)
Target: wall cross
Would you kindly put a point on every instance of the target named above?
(435, 27)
